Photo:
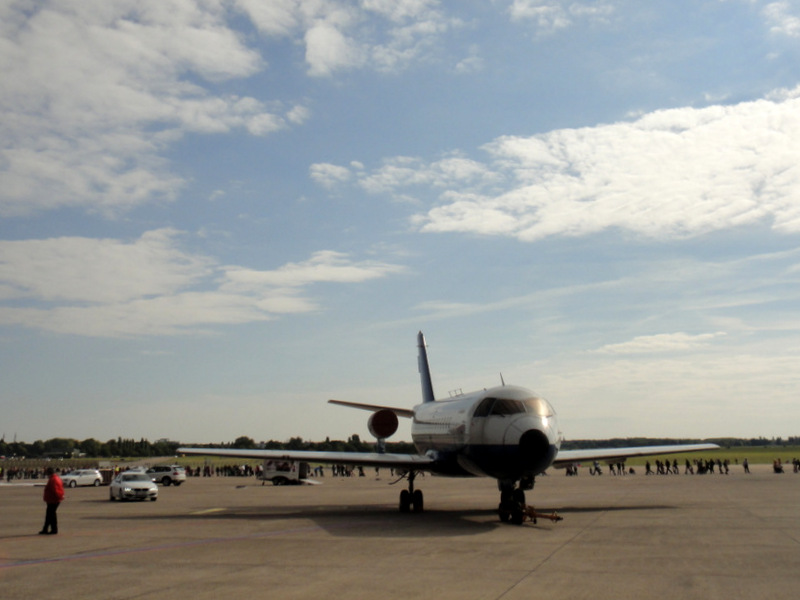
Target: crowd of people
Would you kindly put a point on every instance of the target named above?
(12, 473)
(658, 467)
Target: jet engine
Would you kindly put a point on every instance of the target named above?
(382, 424)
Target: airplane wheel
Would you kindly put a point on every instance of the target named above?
(506, 505)
(504, 513)
(405, 501)
(417, 501)
(517, 517)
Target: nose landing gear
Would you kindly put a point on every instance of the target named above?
(513, 507)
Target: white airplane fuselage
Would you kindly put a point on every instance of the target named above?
(506, 432)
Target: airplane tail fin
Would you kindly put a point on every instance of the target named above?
(424, 370)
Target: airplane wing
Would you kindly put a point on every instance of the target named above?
(368, 459)
(567, 457)
(400, 412)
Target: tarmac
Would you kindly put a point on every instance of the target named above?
(631, 537)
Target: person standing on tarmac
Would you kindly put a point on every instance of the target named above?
(53, 496)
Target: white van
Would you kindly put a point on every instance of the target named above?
(285, 472)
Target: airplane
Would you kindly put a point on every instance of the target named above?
(505, 432)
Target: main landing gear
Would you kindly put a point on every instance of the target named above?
(411, 499)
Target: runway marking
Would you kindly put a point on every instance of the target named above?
(207, 511)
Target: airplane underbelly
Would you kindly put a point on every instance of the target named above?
(508, 462)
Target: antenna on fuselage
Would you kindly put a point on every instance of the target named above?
(424, 370)
(502, 381)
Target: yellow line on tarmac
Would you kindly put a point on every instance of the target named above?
(207, 511)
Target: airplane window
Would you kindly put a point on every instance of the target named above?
(484, 407)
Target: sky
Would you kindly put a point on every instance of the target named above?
(216, 215)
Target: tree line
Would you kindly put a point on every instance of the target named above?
(120, 447)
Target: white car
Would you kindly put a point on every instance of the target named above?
(167, 474)
(133, 486)
(82, 477)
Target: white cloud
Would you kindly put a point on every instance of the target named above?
(98, 271)
(783, 18)
(94, 92)
(663, 342)
(328, 175)
(672, 173)
(150, 286)
(328, 49)
(472, 63)
(404, 171)
(324, 266)
(552, 15)
(339, 35)
(298, 114)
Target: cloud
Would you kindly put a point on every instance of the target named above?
(111, 288)
(328, 175)
(95, 92)
(783, 18)
(552, 15)
(98, 270)
(339, 36)
(670, 174)
(324, 266)
(328, 49)
(663, 342)
(406, 171)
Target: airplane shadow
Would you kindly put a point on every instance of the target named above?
(381, 520)
(355, 521)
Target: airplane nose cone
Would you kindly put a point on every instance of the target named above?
(534, 450)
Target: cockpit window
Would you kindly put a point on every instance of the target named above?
(484, 407)
(507, 406)
(539, 407)
(504, 407)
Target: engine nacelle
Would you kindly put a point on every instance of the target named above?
(382, 424)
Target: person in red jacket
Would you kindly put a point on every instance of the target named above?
(53, 495)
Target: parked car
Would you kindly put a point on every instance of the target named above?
(133, 486)
(82, 477)
(167, 474)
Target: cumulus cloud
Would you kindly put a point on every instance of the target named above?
(670, 174)
(95, 92)
(151, 286)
